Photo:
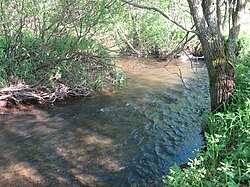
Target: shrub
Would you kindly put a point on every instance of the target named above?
(42, 39)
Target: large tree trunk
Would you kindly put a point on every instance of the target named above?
(219, 59)
(222, 80)
(221, 73)
(220, 69)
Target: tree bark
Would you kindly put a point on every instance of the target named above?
(237, 11)
(219, 58)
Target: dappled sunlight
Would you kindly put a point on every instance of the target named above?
(97, 141)
(110, 164)
(37, 115)
(36, 121)
(85, 179)
(79, 149)
(87, 152)
(22, 173)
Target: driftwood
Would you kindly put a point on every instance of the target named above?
(23, 94)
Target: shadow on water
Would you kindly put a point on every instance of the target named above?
(128, 138)
(38, 149)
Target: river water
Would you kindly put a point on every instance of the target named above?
(128, 137)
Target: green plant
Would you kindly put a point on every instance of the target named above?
(41, 39)
(142, 32)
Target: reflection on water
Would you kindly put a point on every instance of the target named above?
(129, 138)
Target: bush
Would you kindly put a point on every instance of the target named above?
(46, 42)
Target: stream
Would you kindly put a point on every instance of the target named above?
(126, 137)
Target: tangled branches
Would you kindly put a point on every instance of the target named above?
(23, 94)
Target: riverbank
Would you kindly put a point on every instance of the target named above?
(79, 78)
(103, 77)
(226, 161)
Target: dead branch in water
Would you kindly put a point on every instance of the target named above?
(17, 92)
(41, 95)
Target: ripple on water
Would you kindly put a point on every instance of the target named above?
(130, 138)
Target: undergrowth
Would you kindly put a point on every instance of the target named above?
(226, 160)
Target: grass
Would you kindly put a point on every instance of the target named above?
(226, 161)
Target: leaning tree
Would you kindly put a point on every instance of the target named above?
(210, 18)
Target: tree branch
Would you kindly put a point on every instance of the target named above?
(183, 43)
(157, 10)
(236, 17)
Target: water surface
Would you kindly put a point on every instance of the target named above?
(129, 137)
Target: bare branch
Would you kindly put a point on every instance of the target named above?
(225, 14)
(178, 74)
(123, 38)
(159, 11)
(180, 46)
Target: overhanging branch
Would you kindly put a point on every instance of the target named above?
(183, 42)
(159, 11)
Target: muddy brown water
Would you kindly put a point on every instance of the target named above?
(129, 137)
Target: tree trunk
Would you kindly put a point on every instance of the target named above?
(219, 58)
(222, 83)
(220, 69)
(221, 72)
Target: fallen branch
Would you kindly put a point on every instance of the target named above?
(27, 95)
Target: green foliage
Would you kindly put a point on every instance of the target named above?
(226, 162)
(41, 39)
(46, 37)
(144, 32)
(243, 45)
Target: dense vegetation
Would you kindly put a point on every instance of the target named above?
(143, 33)
(73, 40)
(226, 160)
(68, 47)
(44, 42)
